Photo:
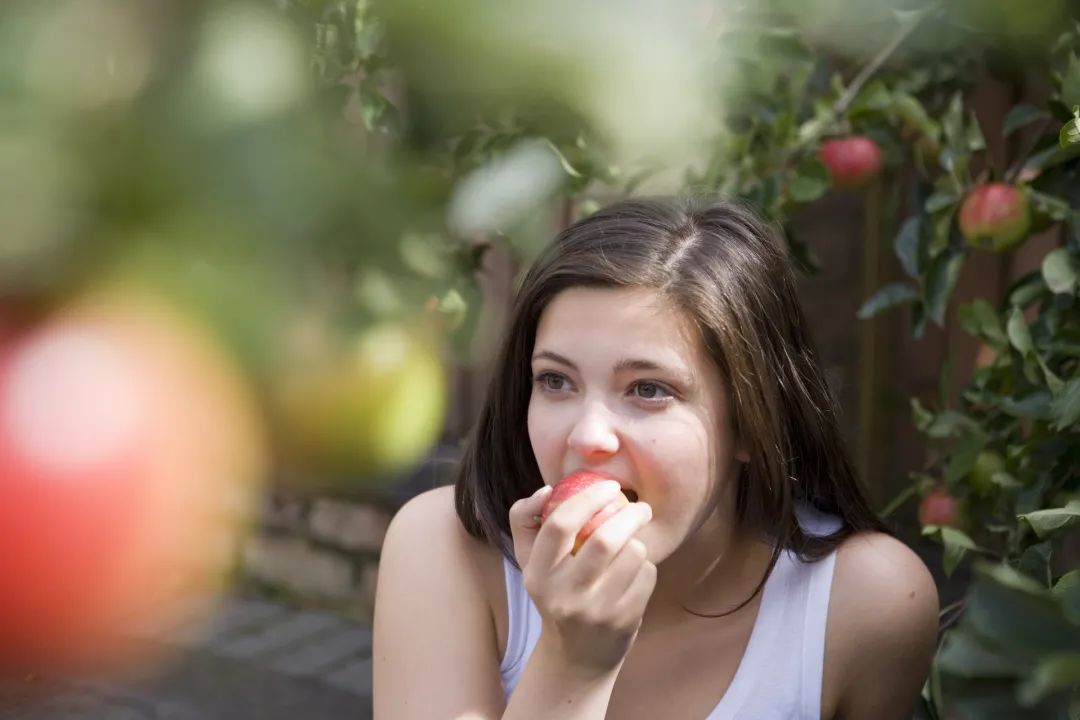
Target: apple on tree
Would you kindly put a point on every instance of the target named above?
(995, 217)
(940, 508)
(851, 161)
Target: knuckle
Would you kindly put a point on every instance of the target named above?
(605, 544)
(637, 549)
(559, 525)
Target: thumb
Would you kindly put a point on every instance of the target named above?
(525, 513)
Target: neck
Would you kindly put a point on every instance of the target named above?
(713, 572)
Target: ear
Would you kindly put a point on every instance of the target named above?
(741, 453)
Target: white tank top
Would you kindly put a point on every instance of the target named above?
(779, 676)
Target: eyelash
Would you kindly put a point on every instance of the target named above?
(542, 378)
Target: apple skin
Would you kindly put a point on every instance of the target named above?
(987, 463)
(995, 217)
(940, 508)
(851, 161)
(573, 484)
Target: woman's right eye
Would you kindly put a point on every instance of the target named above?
(552, 382)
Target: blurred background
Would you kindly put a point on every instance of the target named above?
(256, 258)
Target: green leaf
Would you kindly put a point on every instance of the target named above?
(1026, 290)
(1050, 207)
(811, 180)
(1049, 522)
(957, 543)
(906, 245)
(1070, 83)
(1067, 582)
(1065, 408)
(949, 423)
(975, 139)
(941, 200)
(963, 655)
(1035, 562)
(1019, 333)
(874, 97)
(981, 320)
(1060, 270)
(963, 455)
(1069, 137)
(1020, 116)
(1035, 405)
(1051, 675)
(887, 297)
(920, 415)
(939, 284)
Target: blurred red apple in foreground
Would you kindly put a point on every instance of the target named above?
(573, 484)
(129, 455)
(995, 217)
(851, 161)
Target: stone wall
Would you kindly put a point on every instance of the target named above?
(322, 550)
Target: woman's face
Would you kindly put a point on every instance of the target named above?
(622, 386)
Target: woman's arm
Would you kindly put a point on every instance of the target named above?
(882, 630)
(434, 643)
(434, 647)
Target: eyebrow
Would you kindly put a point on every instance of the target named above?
(622, 365)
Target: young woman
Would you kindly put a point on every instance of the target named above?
(658, 342)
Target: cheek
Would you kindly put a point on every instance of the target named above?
(546, 440)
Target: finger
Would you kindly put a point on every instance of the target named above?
(632, 603)
(610, 538)
(525, 513)
(621, 573)
(557, 535)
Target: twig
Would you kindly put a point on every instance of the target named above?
(958, 607)
(857, 83)
(874, 65)
(1018, 165)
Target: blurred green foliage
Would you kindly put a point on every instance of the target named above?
(357, 160)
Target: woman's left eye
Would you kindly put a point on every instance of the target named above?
(651, 391)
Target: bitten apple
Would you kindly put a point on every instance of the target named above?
(573, 484)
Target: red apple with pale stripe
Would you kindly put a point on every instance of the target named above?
(573, 484)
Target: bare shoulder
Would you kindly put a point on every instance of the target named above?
(882, 629)
(434, 642)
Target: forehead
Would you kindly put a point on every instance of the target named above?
(617, 322)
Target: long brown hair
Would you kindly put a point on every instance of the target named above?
(729, 272)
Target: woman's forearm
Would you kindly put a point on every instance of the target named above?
(549, 689)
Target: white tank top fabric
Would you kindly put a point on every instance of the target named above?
(779, 677)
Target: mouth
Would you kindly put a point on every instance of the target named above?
(630, 495)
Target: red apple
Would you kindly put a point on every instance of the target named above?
(995, 217)
(129, 451)
(938, 507)
(573, 484)
(851, 161)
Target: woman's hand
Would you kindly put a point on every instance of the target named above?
(591, 603)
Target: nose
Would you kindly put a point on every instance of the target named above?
(594, 433)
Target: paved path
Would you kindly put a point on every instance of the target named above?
(256, 660)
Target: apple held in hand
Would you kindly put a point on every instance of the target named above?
(573, 484)
(995, 217)
(851, 161)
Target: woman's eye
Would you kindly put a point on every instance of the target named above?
(551, 382)
(651, 391)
